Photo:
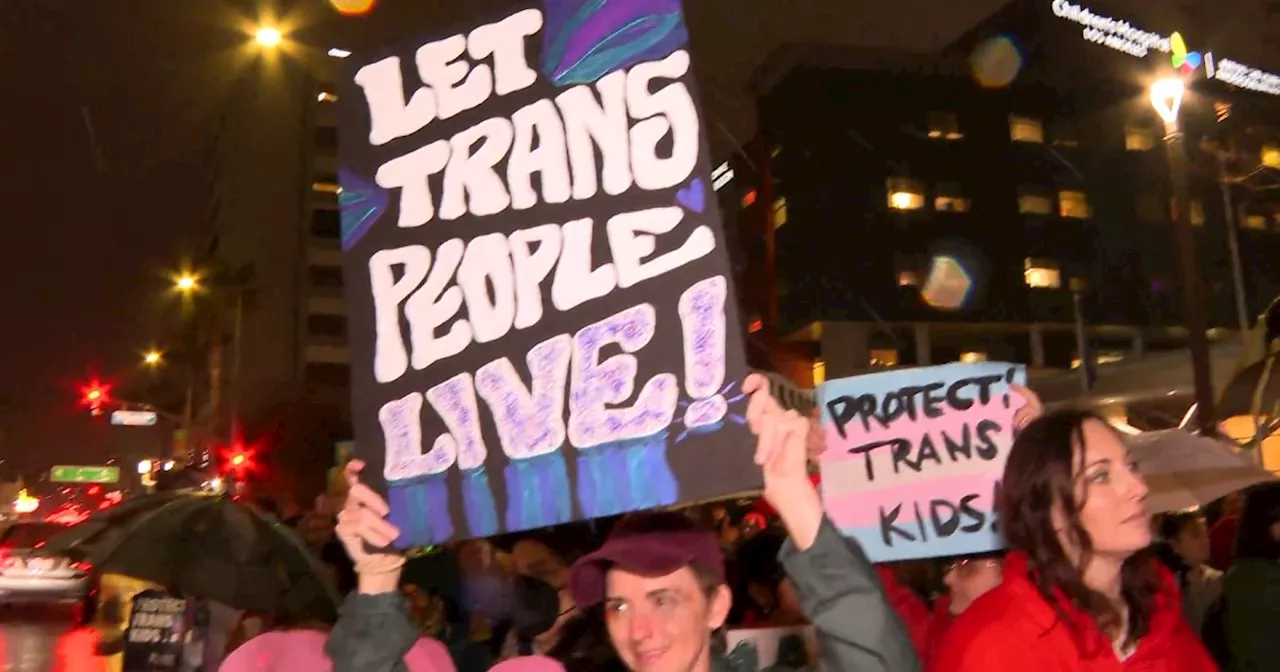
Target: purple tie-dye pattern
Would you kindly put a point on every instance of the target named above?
(574, 29)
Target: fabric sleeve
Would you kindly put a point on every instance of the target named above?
(841, 594)
(373, 634)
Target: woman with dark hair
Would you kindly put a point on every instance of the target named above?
(1076, 594)
(1251, 596)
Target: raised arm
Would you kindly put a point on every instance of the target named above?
(838, 587)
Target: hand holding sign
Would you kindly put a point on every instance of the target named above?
(782, 442)
(816, 442)
(362, 525)
(1029, 411)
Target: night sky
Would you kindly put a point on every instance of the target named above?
(108, 103)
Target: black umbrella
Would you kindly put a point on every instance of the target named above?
(204, 546)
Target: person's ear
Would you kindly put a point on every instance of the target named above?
(718, 607)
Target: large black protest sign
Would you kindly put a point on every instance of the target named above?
(542, 323)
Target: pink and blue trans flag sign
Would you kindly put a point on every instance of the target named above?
(914, 457)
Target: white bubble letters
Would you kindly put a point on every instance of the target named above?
(594, 385)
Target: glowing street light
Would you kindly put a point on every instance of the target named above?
(144, 467)
(1166, 98)
(152, 358)
(186, 282)
(268, 37)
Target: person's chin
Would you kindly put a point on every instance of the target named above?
(1139, 533)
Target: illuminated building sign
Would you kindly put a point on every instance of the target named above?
(1244, 76)
(1126, 38)
(1114, 33)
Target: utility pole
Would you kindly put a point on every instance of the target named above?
(1166, 97)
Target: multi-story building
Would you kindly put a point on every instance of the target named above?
(276, 213)
(912, 209)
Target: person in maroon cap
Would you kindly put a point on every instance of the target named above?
(662, 579)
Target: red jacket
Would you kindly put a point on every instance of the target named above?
(1014, 628)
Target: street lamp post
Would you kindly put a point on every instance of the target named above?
(187, 284)
(1166, 98)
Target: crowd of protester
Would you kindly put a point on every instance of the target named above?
(1090, 580)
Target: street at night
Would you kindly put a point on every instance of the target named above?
(46, 639)
(604, 335)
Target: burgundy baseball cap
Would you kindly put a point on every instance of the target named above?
(649, 544)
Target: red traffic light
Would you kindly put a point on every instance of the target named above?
(94, 395)
(239, 461)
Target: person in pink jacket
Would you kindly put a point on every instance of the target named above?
(289, 650)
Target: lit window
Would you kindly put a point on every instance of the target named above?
(326, 187)
(1195, 212)
(944, 126)
(949, 198)
(779, 213)
(1139, 137)
(1271, 156)
(748, 199)
(326, 97)
(1254, 221)
(973, 357)
(1025, 129)
(819, 372)
(1073, 204)
(884, 357)
(1032, 201)
(1042, 274)
(905, 194)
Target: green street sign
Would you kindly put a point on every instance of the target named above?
(66, 474)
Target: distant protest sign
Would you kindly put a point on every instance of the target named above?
(914, 457)
(542, 323)
(156, 632)
(789, 395)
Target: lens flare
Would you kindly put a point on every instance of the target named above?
(949, 284)
(996, 62)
